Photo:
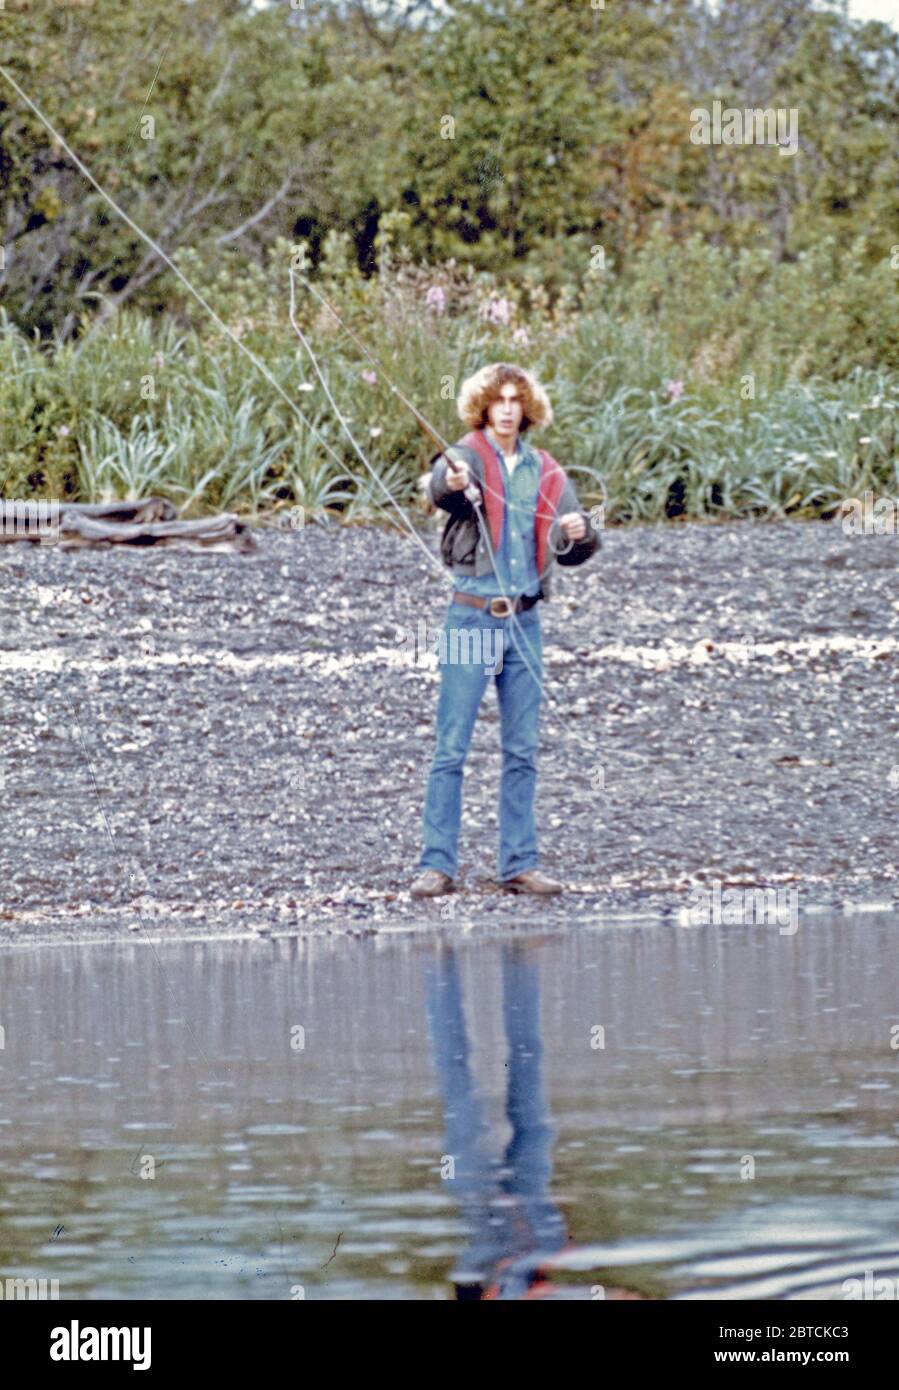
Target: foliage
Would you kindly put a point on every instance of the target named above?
(718, 325)
(511, 135)
(700, 385)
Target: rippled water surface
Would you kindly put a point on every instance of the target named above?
(680, 1112)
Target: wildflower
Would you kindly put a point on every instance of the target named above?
(373, 433)
(436, 298)
(521, 335)
(498, 310)
(675, 390)
(865, 439)
(63, 430)
(306, 386)
(370, 377)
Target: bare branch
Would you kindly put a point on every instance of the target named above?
(263, 212)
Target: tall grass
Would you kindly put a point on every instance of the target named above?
(697, 389)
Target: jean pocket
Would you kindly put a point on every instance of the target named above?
(463, 615)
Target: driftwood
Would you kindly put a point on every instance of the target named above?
(223, 532)
(147, 509)
(148, 521)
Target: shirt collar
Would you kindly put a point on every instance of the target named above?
(527, 454)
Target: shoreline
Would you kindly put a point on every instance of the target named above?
(671, 918)
(238, 739)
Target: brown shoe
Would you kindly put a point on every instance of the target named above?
(532, 881)
(431, 883)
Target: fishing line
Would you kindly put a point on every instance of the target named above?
(524, 650)
(471, 493)
(337, 411)
(260, 366)
(438, 440)
(263, 369)
(257, 362)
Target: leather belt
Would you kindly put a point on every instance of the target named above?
(499, 607)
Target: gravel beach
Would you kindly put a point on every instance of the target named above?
(224, 744)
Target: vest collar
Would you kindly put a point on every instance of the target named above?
(549, 492)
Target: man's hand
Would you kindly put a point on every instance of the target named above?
(458, 478)
(574, 527)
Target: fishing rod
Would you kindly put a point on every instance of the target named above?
(472, 492)
(520, 639)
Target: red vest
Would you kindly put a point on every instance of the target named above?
(552, 481)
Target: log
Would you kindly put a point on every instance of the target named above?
(145, 509)
(225, 532)
(39, 520)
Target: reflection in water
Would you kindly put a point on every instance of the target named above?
(506, 1205)
(622, 1166)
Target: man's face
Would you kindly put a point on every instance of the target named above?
(506, 413)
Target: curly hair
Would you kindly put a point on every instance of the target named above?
(482, 389)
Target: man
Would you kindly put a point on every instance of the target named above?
(501, 552)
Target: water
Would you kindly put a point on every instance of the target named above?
(450, 1114)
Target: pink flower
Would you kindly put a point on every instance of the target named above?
(498, 310)
(675, 390)
(436, 299)
(63, 430)
(521, 335)
(370, 377)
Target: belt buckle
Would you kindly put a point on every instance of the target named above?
(509, 609)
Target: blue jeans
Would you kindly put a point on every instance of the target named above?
(512, 1219)
(462, 684)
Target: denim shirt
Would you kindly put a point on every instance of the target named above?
(516, 558)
